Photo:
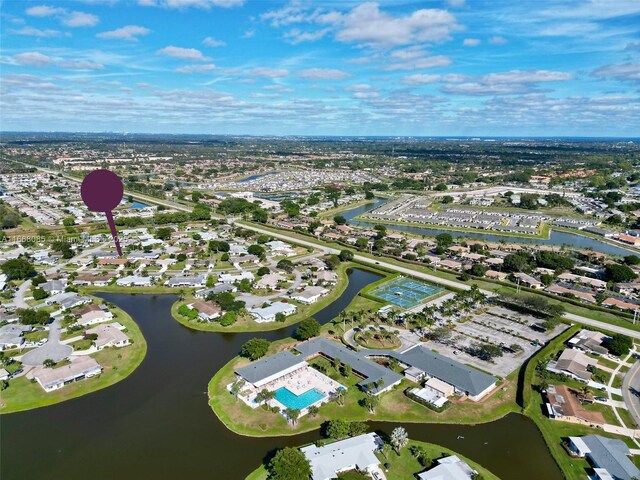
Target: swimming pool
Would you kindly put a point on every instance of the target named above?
(290, 400)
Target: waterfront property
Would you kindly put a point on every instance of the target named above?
(109, 336)
(269, 313)
(78, 368)
(405, 292)
(449, 468)
(573, 363)
(296, 385)
(356, 453)
(608, 456)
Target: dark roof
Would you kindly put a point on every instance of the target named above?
(611, 454)
(461, 376)
(367, 368)
(261, 369)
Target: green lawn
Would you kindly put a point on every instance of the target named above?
(394, 405)
(118, 363)
(249, 325)
(404, 466)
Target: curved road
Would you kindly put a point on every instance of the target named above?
(631, 391)
(432, 278)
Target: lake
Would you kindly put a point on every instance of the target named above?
(157, 423)
(556, 238)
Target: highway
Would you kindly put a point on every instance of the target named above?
(434, 279)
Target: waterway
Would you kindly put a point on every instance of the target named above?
(138, 205)
(255, 177)
(556, 238)
(157, 423)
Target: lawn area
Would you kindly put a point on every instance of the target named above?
(117, 363)
(247, 324)
(555, 432)
(406, 466)
(36, 336)
(394, 405)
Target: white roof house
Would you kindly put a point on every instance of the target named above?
(268, 314)
(349, 454)
(449, 468)
(109, 336)
(134, 280)
(231, 278)
(309, 295)
(93, 317)
(79, 368)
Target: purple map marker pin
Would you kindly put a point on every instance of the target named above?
(102, 191)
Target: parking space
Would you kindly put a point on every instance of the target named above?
(498, 326)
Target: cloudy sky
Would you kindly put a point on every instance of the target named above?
(338, 67)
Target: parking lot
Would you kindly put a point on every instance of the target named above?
(493, 327)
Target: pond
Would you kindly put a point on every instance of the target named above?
(157, 422)
(556, 238)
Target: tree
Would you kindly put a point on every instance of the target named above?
(632, 260)
(236, 387)
(487, 351)
(293, 414)
(48, 363)
(229, 318)
(340, 220)
(399, 439)
(444, 240)
(68, 221)
(291, 208)
(262, 271)
(201, 212)
(39, 294)
(478, 270)
(308, 328)
(313, 410)
(286, 265)
(370, 402)
(440, 187)
(618, 273)
(346, 255)
(257, 250)
(18, 269)
(619, 345)
(332, 261)
(516, 262)
(164, 233)
(336, 429)
(255, 348)
(289, 464)
(28, 316)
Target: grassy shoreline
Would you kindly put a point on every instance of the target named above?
(118, 364)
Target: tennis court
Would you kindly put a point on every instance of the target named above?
(405, 292)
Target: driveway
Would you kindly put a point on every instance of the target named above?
(53, 349)
(631, 391)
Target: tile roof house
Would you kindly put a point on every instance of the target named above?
(574, 363)
(109, 336)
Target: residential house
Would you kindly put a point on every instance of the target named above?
(134, 281)
(609, 457)
(449, 468)
(79, 368)
(309, 295)
(574, 363)
(355, 453)
(109, 336)
(268, 314)
(206, 310)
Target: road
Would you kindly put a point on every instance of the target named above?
(631, 391)
(434, 279)
(53, 349)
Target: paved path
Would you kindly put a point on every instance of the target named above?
(631, 391)
(629, 432)
(18, 299)
(409, 270)
(53, 349)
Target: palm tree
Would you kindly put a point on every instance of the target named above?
(399, 439)
(236, 387)
(385, 450)
(339, 396)
(292, 414)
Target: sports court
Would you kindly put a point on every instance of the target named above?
(405, 292)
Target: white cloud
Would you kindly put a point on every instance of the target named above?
(323, 74)
(80, 65)
(181, 4)
(456, 3)
(497, 40)
(212, 42)
(268, 72)
(296, 36)
(80, 19)
(366, 24)
(191, 54)
(249, 34)
(595, 9)
(36, 32)
(196, 68)
(66, 17)
(623, 72)
(420, 63)
(44, 11)
(505, 83)
(128, 32)
(420, 79)
(471, 42)
(32, 59)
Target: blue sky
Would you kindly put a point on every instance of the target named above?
(449, 67)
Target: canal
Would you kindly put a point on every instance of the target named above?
(157, 423)
(556, 238)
